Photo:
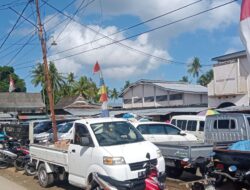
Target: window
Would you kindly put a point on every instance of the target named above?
(191, 125)
(161, 98)
(173, 122)
(248, 119)
(171, 130)
(215, 124)
(80, 131)
(143, 129)
(137, 100)
(182, 124)
(202, 124)
(175, 97)
(156, 129)
(149, 99)
(114, 133)
(127, 101)
(223, 124)
(232, 125)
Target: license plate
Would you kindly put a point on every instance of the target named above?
(142, 174)
(170, 163)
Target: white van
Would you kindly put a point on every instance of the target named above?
(193, 124)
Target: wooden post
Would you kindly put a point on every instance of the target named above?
(46, 72)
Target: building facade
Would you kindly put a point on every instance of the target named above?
(231, 81)
(148, 93)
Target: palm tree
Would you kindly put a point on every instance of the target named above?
(114, 94)
(206, 78)
(194, 68)
(184, 79)
(87, 88)
(56, 78)
(71, 78)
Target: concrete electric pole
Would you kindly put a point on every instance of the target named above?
(46, 72)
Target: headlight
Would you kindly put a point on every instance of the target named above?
(113, 160)
(159, 154)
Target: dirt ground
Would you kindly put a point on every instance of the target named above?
(31, 183)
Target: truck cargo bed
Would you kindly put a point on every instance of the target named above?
(50, 154)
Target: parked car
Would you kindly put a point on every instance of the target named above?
(193, 124)
(45, 125)
(64, 131)
(221, 129)
(162, 132)
(109, 146)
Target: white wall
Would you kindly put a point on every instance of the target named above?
(238, 100)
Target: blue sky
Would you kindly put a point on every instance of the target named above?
(206, 36)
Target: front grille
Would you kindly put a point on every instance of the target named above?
(139, 165)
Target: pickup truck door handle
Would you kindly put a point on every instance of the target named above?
(73, 150)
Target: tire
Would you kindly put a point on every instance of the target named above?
(174, 172)
(19, 163)
(3, 165)
(45, 179)
(29, 171)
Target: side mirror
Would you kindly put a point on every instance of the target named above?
(182, 133)
(85, 141)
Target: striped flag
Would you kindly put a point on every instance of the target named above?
(11, 85)
(245, 25)
(102, 91)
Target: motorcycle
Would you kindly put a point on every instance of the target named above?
(153, 180)
(204, 165)
(10, 151)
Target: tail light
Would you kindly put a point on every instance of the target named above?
(219, 166)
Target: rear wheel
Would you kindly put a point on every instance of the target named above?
(29, 170)
(3, 165)
(45, 179)
(19, 163)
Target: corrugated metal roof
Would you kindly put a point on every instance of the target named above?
(159, 111)
(230, 56)
(183, 87)
(234, 109)
(21, 100)
(170, 85)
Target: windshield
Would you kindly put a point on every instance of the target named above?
(65, 128)
(114, 133)
(41, 127)
(58, 128)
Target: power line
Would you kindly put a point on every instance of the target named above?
(12, 29)
(6, 6)
(151, 30)
(105, 36)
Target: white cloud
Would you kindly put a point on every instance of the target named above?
(116, 60)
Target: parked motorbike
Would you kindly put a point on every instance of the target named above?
(10, 151)
(206, 183)
(153, 180)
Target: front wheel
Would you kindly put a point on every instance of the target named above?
(45, 179)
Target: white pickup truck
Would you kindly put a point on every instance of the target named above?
(109, 146)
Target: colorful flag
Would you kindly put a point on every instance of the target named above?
(245, 25)
(96, 68)
(12, 85)
(102, 91)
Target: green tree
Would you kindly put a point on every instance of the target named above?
(114, 94)
(194, 68)
(184, 79)
(87, 88)
(206, 78)
(5, 73)
(126, 85)
(57, 80)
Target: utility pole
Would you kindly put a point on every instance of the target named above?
(46, 72)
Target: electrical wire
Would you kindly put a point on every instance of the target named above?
(12, 29)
